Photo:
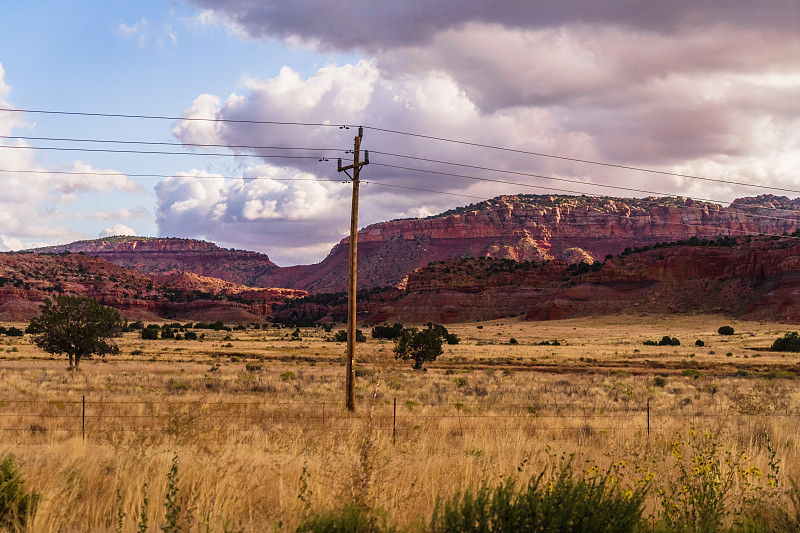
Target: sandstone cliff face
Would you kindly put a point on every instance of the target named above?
(539, 228)
(167, 255)
(521, 228)
(756, 280)
(27, 279)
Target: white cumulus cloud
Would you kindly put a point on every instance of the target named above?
(117, 229)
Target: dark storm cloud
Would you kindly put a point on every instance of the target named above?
(375, 26)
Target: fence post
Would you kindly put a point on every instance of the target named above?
(648, 418)
(83, 417)
(394, 423)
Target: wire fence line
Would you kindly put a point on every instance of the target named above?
(102, 419)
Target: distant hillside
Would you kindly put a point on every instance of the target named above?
(536, 228)
(749, 278)
(165, 255)
(517, 227)
(26, 279)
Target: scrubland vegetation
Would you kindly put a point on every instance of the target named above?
(244, 430)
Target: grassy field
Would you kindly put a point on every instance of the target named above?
(254, 421)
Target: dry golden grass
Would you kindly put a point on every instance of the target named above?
(261, 438)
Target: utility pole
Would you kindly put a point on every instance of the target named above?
(350, 380)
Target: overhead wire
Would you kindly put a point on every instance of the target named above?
(546, 155)
(157, 152)
(542, 187)
(164, 117)
(403, 133)
(384, 130)
(475, 167)
(181, 144)
(165, 176)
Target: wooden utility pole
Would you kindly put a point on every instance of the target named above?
(350, 380)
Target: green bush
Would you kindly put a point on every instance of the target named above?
(419, 346)
(788, 343)
(16, 504)
(150, 334)
(666, 340)
(387, 332)
(592, 502)
(341, 336)
(452, 338)
(698, 342)
(349, 519)
(725, 330)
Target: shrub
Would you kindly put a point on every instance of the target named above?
(698, 342)
(150, 334)
(16, 504)
(564, 502)
(190, 336)
(14, 332)
(788, 343)
(452, 338)
(725, 330)
(350, 518)
(512, 340)
(712, 486)
(387, 332)
(341, 336)
(288, 376)
(419, 346)
(660, 381)
(553, 342)
(666, 340)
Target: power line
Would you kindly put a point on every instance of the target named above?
(551, 156)
(162, 117)
(255, 178)
(404, 133)
(155, 152)
(530, 185)
(153, 143)
(423, 190)
(716, 180)
(342, 126)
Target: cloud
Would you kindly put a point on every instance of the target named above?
(117, 229)
(143, 32)
(121, 214)
(417, 22)
(280, 211)
(686, 87)
(33, 206)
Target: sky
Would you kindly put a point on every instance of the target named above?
(706, 90)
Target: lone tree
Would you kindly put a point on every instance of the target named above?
(77, 326)
(418, 346)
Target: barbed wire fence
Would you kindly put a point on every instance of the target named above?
(98, 420)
